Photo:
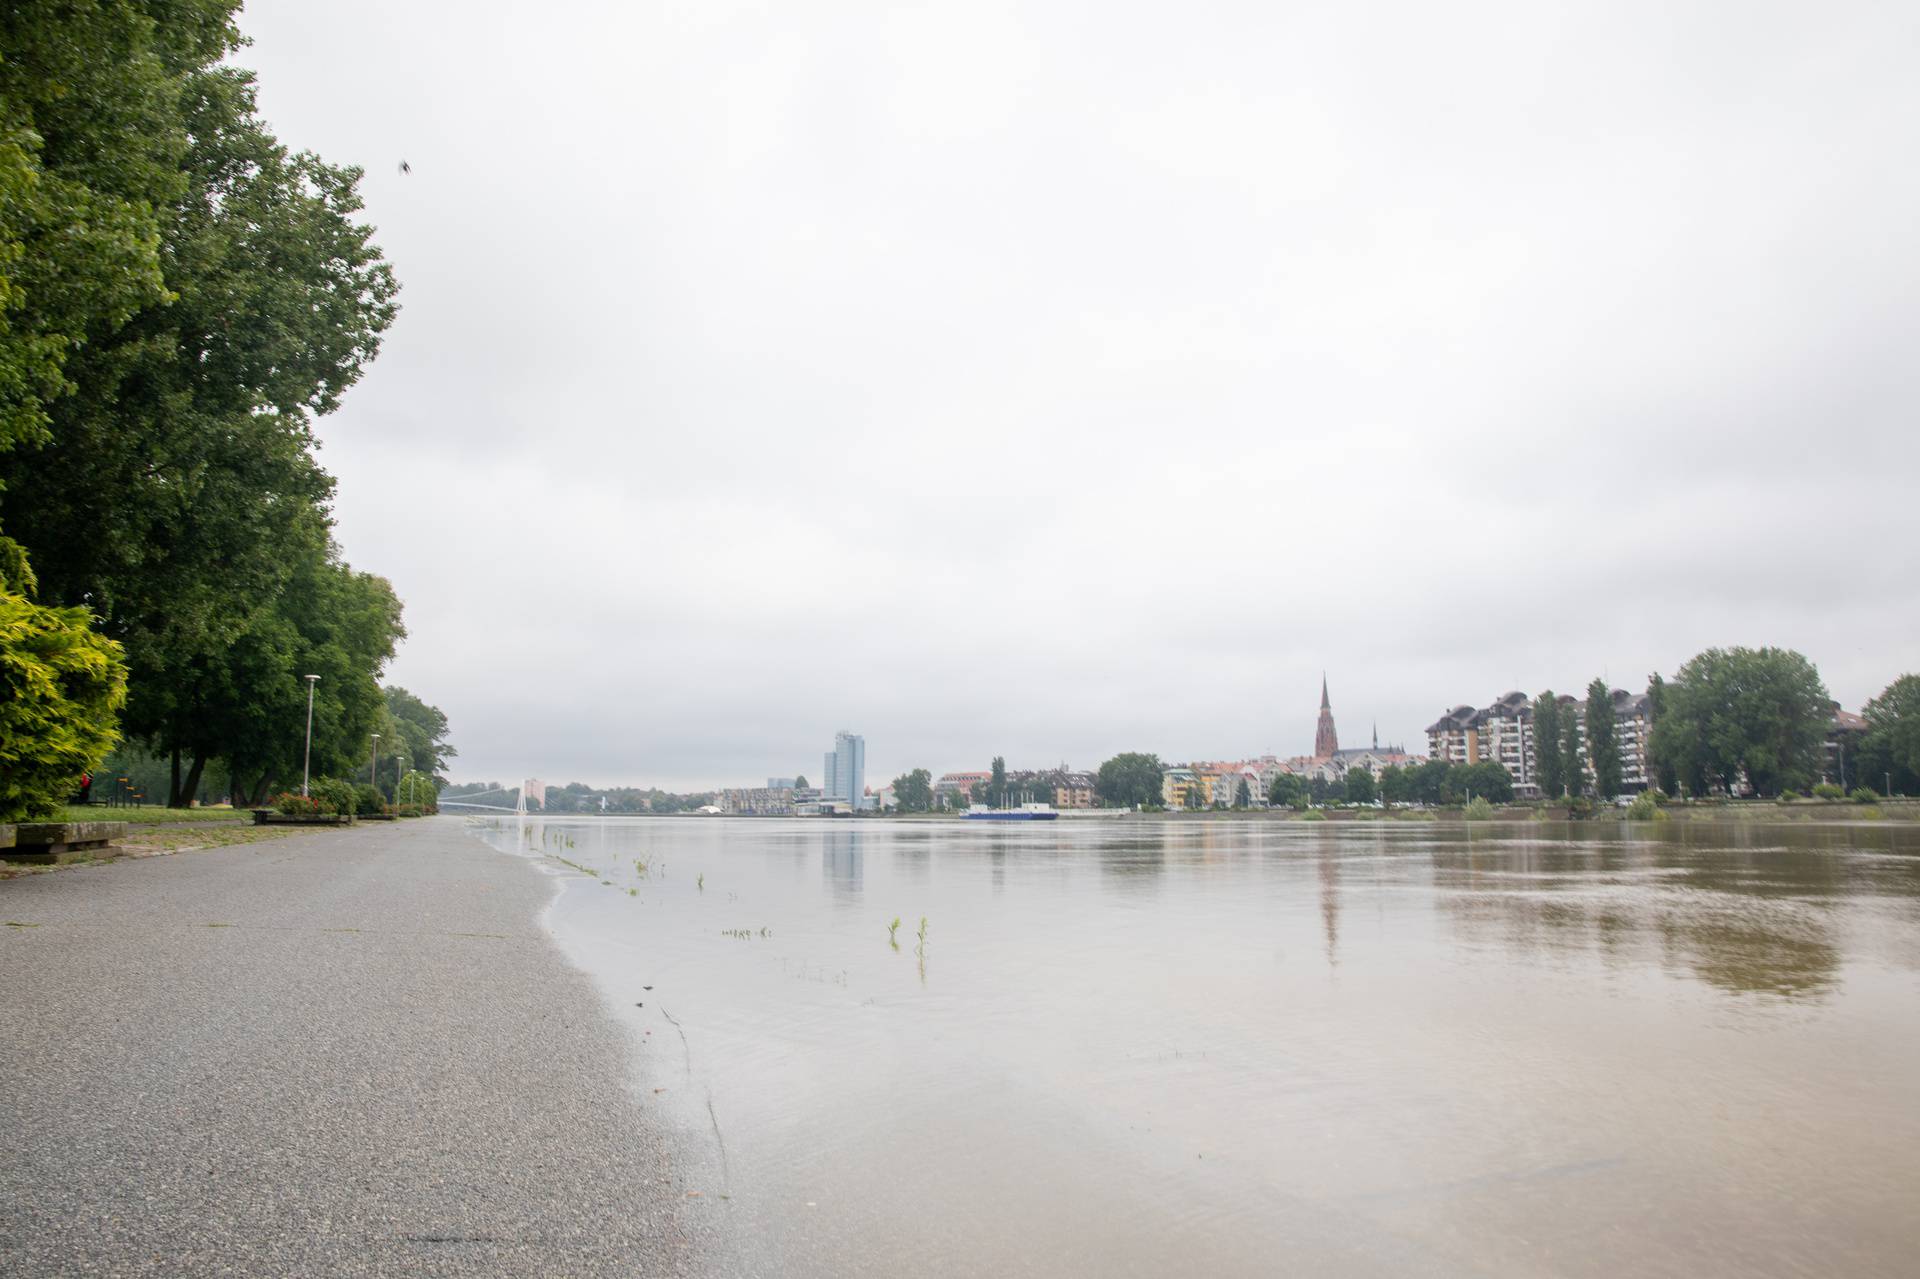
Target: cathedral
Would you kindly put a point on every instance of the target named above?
(1326, 743)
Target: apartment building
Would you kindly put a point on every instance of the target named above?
(1503, 733)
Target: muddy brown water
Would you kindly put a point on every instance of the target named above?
(1251, 1048)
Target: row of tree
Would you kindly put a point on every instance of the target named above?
(578, 797)
(180, 297)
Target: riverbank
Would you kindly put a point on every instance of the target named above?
(336, 1052)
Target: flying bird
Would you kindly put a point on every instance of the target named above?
(405, 167)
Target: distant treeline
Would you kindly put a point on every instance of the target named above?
(577, 797)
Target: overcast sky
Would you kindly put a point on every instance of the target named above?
(1055, 379)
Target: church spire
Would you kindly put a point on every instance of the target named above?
(1325, 743)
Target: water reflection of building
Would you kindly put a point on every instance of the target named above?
(842, 863)
(1330, 904)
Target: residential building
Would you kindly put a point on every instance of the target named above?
(845, 770)
(1455, 736)
(1503, 733)
(1175, 785)
(1632, 727)
(1505, 736)
(955, 790)
(758, 801)
(1072, 789)
(1845, 730)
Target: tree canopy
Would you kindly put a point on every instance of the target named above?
(1757, 713)
(1548, 772)
(1603, 747)
(1129, 779)
(913, 791)
(1890, 751)
(180, 296)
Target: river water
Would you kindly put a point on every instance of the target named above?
(1184, 1046)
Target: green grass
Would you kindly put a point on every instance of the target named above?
(150, 816)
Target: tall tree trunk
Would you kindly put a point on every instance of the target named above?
(192, 790)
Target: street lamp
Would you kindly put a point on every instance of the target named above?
(373, 763)
(306, 764)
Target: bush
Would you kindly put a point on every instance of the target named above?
(1313, 815)
(61, 690)
(1864, 795)
(296, 805)
(367, 801)
(1645, 808)
(1788, 796)
(1827, 790)
(1478, 809)
(334, 795)
(410, 810)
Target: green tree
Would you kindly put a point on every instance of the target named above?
(1486, 780)
(177, 495)
(1890, 750)
(913, 791)
(1429, 782)
(1196, 793)
(1758, 712)
(1659, 769)
(1603, 747)
(1130, 779)
(1396, 787)
(61, 686)
(1572, 767)
(1285, 789)
(996, 796)
(93, 136)
(1548, 772)
(1360, 786)
(1243, 795)
(800, 782)
(421, 731)
(418, 789)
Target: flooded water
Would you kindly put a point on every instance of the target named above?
(1255, 1048)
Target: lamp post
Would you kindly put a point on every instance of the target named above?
(306, 764)
(373, 763)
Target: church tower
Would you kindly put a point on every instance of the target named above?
(1325, 741)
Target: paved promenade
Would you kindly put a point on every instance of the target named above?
(342, 1053)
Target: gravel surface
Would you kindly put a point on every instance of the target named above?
(341, 1053)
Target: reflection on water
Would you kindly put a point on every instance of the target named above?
(1155, 1047)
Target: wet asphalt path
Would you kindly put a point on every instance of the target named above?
(341, 1053)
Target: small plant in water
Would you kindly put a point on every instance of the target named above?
(923, 933)
(700, 882)
(892, 929)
